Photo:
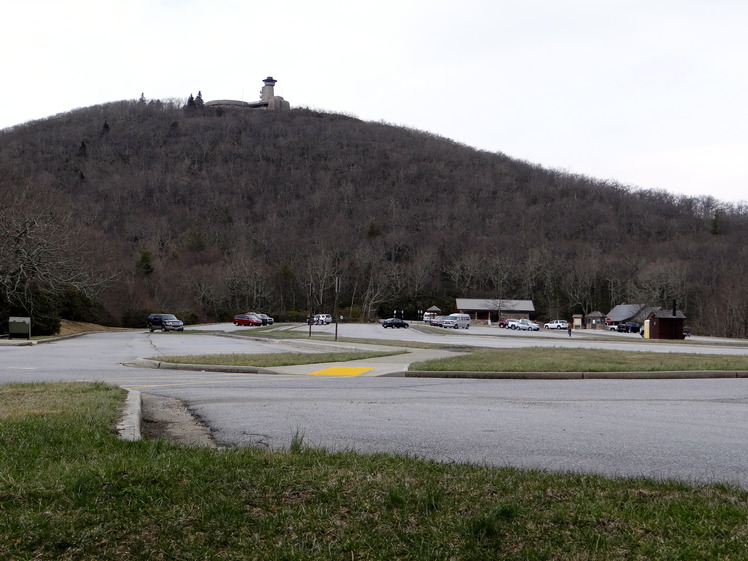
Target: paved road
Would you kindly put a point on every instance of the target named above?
(694, 430)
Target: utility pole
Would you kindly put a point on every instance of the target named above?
(311, 307)
(335, 305)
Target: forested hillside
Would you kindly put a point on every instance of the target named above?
(113, 211)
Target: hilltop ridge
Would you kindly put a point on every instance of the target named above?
(207, 212)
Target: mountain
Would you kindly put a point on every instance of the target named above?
(138, 206)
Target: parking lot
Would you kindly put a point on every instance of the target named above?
(694, 430)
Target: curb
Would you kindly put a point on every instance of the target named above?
(159, 365)
(129, 425)
(21, 343)
(51, 339)
(655, 375)
(661, 375)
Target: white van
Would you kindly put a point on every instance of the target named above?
(456, 321)
(322, 319)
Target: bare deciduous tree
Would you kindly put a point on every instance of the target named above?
(304, 196)
(581, 278)
(40, 253)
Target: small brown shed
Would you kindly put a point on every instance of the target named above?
(595, 320)
(664, 325)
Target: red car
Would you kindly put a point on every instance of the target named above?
(246, 319)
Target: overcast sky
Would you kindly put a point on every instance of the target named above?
(649, 93)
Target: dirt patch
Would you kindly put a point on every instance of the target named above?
(68, 327)
(170, 419)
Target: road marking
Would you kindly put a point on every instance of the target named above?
(342, 371)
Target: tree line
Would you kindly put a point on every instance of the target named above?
(141, 206)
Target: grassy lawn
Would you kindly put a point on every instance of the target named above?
(543, 359)
(70, 490)
(270, 360)
(539, 359)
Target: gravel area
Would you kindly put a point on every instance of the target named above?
(170, 419)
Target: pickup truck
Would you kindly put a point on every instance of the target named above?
(522, 325)
(527, 325)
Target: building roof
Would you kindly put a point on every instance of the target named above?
(640, 312)
(661, 313)
(496, 304)
(624, 312)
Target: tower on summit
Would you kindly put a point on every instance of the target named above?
(268, 99)
(268, 90)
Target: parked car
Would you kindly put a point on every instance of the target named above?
(455, 321)
(512, 323)
(247, 319)
(437, 321)
(164, 322)
(255, 315)
(267, 318)
(629, 327)
(322, 319)
(395, 322)
(502, 323)
(557, 324)
(527, 325)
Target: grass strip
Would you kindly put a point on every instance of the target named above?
(270, 360)
(70, 490)
(321, 336)
(545, 359)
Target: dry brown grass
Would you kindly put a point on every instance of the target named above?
(68, 327)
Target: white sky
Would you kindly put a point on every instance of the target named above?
(650, 93)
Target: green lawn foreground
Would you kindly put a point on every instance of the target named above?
(71, 490)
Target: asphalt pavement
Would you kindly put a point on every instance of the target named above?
(687, 429)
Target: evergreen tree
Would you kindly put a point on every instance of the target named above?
(144, 263)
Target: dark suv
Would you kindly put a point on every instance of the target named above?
(629, 327)
(164, 322)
